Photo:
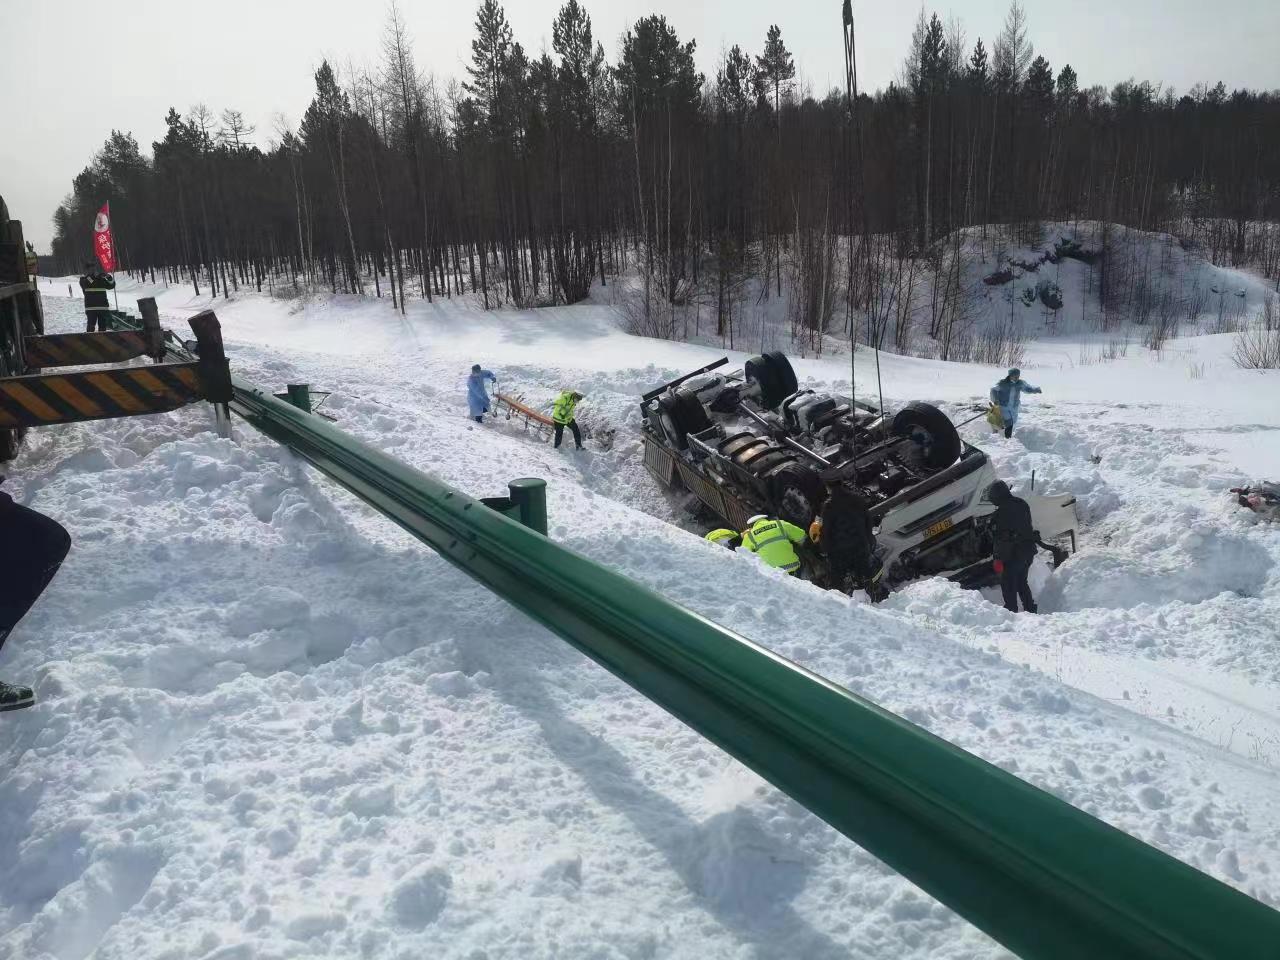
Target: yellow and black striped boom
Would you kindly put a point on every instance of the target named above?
(83, 349)
(38, 398)
(41, 399)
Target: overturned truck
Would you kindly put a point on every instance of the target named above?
(751, 442)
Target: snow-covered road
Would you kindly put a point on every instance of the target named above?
(273, 725)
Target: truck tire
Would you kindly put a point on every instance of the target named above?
(683, 414)
(774, 374)
(795, 491)
(942, 446)
(784, 374)
(690, 414)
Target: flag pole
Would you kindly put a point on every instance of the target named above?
(115, 256)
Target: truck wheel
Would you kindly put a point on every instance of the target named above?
(926, 422)
(691, 415)
(795, 491)
(784, 374)
(667, 425)
(683, 414)
(775, 376)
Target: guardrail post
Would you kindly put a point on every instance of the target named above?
(299, 394)
(527, 503)
(215, 372)
(529, 496)
(151, 328)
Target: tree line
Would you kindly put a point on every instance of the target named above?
(537, 177)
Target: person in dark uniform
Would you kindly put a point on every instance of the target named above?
(32, 548)
(1015, 546)
(95, 284)
(847, 536)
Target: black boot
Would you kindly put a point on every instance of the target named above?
(15, 698)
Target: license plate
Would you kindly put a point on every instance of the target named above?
(942, 526)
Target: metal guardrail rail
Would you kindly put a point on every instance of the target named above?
(1045, 879)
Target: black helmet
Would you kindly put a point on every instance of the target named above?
(999, 492)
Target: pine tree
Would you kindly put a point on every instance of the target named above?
(1039, 89)
(581, 62)
(658, 95)
(577, 87)
(490, 51)
(978, 74)
(775, 65)
(926, 76)
(735, 84)
(656, 70)
(1068, 87)
(325, 125)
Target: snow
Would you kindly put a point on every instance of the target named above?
(271, 724)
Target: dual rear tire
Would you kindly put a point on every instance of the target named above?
(774, 375)
(681, 414)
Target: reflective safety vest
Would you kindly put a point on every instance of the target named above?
(562, 411)
(773, 541)
(725, 538)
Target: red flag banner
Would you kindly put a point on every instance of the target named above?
(103, 245)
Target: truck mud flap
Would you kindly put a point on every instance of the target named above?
(1055, 517)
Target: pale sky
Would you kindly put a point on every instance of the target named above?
(84, 66)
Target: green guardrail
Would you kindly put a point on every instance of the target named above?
(1045, 879)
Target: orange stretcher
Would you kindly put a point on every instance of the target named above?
(517, 409)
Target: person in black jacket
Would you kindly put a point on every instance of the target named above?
(1015, 546)
(95, 285)
(847, 536)
(32, 548)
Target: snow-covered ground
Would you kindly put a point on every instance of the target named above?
(273, 725)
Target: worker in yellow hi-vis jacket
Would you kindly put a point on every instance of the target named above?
(562, 415)
(774, 542)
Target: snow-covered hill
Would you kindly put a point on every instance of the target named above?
(272, 725)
